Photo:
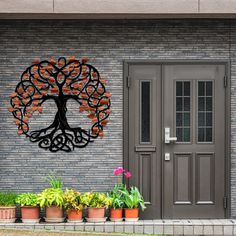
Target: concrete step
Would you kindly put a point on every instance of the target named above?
(160, 227)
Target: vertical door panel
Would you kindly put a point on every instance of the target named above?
(145, 135)
(205, 178)
(182, 178)
(194, 99)
(145, 180)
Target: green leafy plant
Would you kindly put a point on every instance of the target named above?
(28, 199)
(116, 196)
(7, 199)
(54, 181)
(95, 200)
(132, 198)
(51, 197)
(72, 200)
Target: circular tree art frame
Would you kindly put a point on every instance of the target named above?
(60, 81)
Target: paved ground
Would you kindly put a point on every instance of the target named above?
(9, 232)
(151, 227)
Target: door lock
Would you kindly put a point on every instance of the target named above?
(168, 139)
(167, 156)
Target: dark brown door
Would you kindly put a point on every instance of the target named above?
(193, 167)
(145, 135)
(176, 139)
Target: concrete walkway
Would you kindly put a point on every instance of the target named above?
(160, 227)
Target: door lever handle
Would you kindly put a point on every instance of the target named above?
(168, 139)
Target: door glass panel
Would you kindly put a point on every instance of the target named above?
(187, 89)
(201, 88)
(201, 104)
(187, 104)
(186, 137)
(179, 89)
(201, 134)
(208, 88)
(179, 119)
(209, 104)
(183, 114)
(179, 104)
(179, 133)
(145, 111)
(205, 109)
(186, 119)
(201, 118)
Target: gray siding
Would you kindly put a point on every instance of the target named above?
(108, 43)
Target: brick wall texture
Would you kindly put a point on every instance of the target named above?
(23, 165)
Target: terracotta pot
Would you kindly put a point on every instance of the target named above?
(8, 213)
(74, 215)
(30, 212)
(131, 213)
(116, 213)
(96, 212)
(54, 212)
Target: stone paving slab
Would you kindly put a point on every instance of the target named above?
(150, 227)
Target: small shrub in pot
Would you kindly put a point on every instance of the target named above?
(53, 200)
(133, 200)
(117, 203)
(29, 203)
(97, 203)
(73, 205)
(7, 207)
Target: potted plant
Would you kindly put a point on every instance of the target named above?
(117, 203)
(7, 207)
(96, 203)
(132, 201)
(29, 203)
(73, 205)
(53, 200)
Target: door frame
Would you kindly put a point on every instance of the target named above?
(126, 81)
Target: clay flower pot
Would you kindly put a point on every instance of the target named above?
(7, 214)
(131, 214)
(116, 214)
(96, 214)
(75, 215)
(54, 214)
(30, 214)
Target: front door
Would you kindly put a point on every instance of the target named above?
(176, 138)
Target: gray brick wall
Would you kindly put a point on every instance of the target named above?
(22, 164)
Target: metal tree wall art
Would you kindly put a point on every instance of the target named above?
(60, 81)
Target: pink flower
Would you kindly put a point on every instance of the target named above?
(118, 171)
(127, 175)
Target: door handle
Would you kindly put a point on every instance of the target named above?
(168, 139)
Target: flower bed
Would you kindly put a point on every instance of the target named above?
(121, 201)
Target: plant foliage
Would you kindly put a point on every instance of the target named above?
(95, 200)
(132, 198)
(116, 196)
(54, 181)
(51, 197)
(72, 200)
(8, 199)
(28, 199)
